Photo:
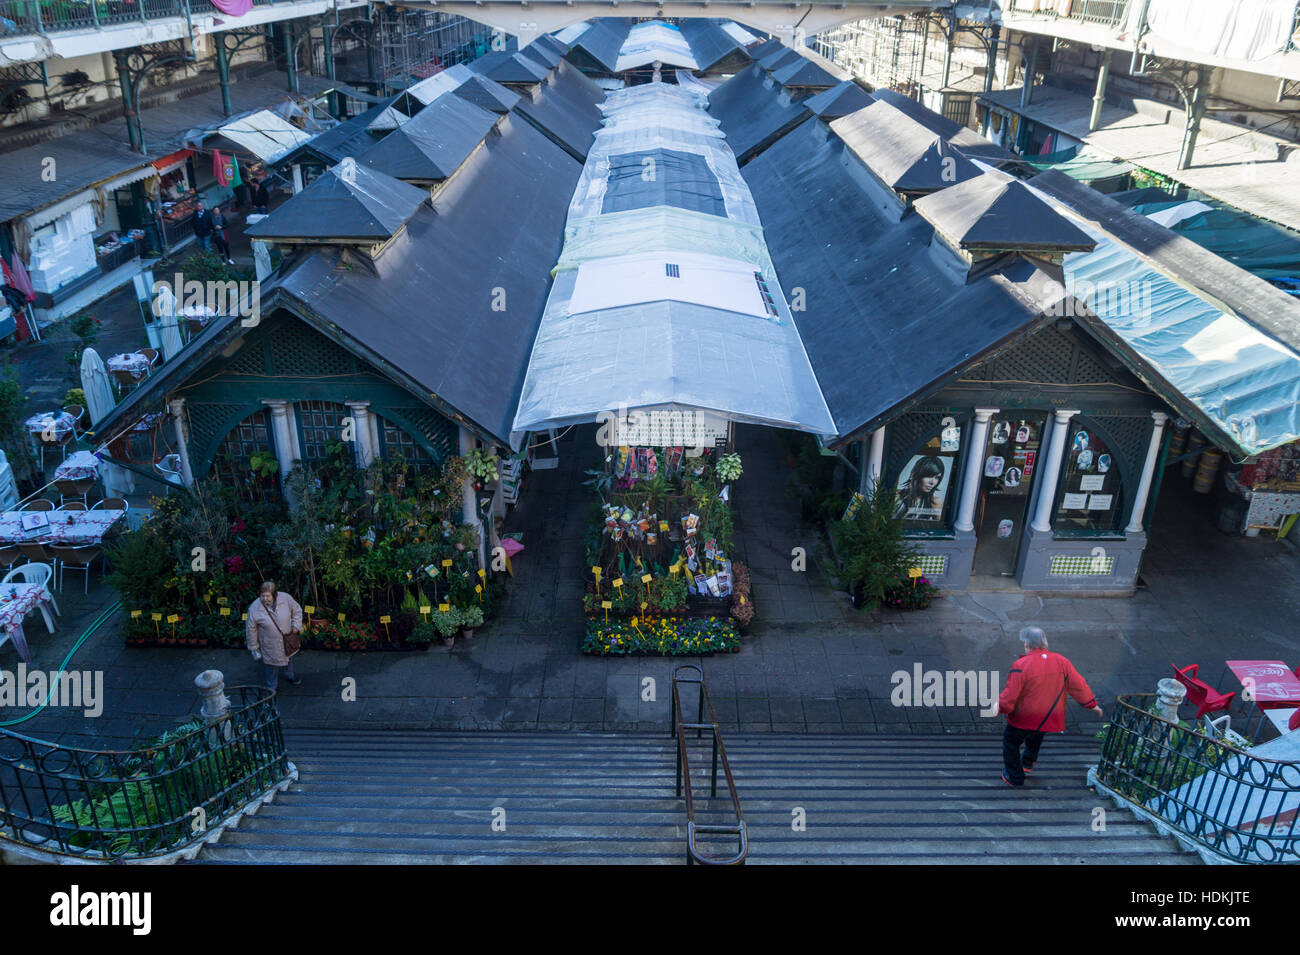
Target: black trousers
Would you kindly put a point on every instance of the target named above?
(1012, 741)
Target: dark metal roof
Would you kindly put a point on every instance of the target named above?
(348, 138)
(554, 42)
(848, 97)
(433, 143)
(873, 348)
(488, 94)
(566, 108)
(603, 40)
(765, 48)
(348, 201)
(751, 115)
(779, 58)
(709, 43)
(902, 153)
(804, 73)
(543, 54)
(969, 142)
(996, 212)
(509, 67)
(682, 180)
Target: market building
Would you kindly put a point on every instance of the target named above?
(1015, 355)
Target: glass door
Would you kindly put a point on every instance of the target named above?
(1008, 468)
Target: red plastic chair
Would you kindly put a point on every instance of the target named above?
(1200, 694)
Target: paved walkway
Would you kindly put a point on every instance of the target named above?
(811, 664)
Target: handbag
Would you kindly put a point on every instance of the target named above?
(292, 642)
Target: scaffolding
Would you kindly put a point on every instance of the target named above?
(414, 44)
(899, 53)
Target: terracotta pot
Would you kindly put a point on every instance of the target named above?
(448, 641)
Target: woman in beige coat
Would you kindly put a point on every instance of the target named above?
(271, 618)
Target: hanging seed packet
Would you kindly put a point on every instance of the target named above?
(690, 549)
(711, 549)
(624, 459)
(701, 585)
(724, 583)
(674, 459)
(712, 584)
(652, 465)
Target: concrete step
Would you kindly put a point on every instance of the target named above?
(420, 798)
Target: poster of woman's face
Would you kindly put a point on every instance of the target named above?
(1081, 441)
(1001, 432)
(923, 488)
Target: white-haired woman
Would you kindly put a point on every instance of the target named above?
(274, 620)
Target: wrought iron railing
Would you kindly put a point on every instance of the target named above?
(684, 783)
(1228, 803)
(1106, 12)
(132, 804)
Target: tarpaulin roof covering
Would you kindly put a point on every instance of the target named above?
(265, 134)
(848, 97)
(1085, 164)
(751, 114)
(346, 202)
(602, 41)
(678, 328)
(566, 108)
(433, 143)
(970, 143)
(1194, 327)
(995, 212)
(902, 153)
(873, 349)
(654, 42)
(709, 41)
(662, 177)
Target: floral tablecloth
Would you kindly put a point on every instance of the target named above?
(81, 466)
(134, 363)
(74, 528)
(16, 601)
(61, 421)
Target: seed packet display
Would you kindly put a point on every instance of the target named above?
(675, 459)
(711, 549)
(712, 583)
(724, 581)
(643, 456)
(623, 463)
(690, 549)
(701, 585)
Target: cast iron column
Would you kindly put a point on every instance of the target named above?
(223, 72)
(1099, 98)
(133, 131)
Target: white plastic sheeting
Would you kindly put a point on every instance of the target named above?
(1237, 29)
(1175, 214)
(570, 34)
(265, 134)
(660, 307)
(428, 90)
(738, 33)
(655, 42)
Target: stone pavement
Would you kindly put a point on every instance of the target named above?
(811, 663)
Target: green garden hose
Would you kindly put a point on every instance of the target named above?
(95, 624)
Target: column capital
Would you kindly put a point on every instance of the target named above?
(278, 406)
(1063, 415)
(983, 415)
(1161, 418)
(175, 405)
(358, 405)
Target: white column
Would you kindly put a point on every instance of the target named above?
(297, 179)
(361, 432)
(1148, 472)
(873, 459)
(1050, 472)
(177, 407)
(282, 428)
(469, 513)
(976, 441)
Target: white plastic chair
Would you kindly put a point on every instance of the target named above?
(39, 574)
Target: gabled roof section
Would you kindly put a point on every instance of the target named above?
(346, 139)
(655, 42)
(902, 153)
(566, 108)
(805, 74)
(778, 58)
(841, 100)
(753, 116)
(994, 212)
(601, 42)
(709, 42)
(433, 143)
(488, 94)
(766, 48)
(543, 54)
(509, 67)
(346, 202)
(969, 142)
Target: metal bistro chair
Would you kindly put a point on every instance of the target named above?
(38, 504)
(111, 504)
(77, 558)
(74, 490)
(73, 506)
(60, 440)
(35, 573)
(10, 555)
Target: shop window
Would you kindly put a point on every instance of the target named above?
(398, 443)
(320, 424)
(250, 435)
(1091, 494)
(927, 484)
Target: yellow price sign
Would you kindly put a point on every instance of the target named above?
(482, 573)
(915, 572)
(675, 569)
(663, 527)
(646, 578)
(643, 606)
(424, 609)
(595, 572)
(617, 581)
(386, 619)
(225, 611)
(478, 588)
(136, 614)
(309, 610)
(222, 601)
(155, 617)
(342, 617)
(634, 621)
(443, 608)
(607, 605)
(243, 616)
(446, 562)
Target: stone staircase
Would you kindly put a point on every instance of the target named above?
(432, 797)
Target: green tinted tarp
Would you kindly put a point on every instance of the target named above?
(1261, 248)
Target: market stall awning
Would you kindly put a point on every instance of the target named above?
(265, 134)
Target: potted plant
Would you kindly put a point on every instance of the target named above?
(482, 466)
(470, 618)
(444, 623)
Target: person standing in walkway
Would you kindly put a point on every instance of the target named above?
(202, 224)
(274, 625)
(1034, 701)
(219, 237)
(261, 196)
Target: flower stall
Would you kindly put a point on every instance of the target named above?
(661, 577)
(377, 558)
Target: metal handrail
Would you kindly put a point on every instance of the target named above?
(113, 805)
(1229, 803)
(739, 830)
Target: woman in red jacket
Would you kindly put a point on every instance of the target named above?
(1034, 701)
